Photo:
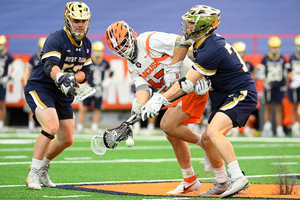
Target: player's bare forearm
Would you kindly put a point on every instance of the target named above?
(179, 54)
(80, 76)
(142, 96)
(174, 92)
(54, 71)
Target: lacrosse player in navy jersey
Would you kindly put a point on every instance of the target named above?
(100, 69)
(51, 88)
(233, 94)
(293, 75)
(5, 60)
(272, 69)
(33, 61)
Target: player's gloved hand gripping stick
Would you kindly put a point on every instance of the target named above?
(112, 137)
(68, 85)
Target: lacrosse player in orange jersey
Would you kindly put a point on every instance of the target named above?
(148, 60)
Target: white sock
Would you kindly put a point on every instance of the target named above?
(199, 142)
(221, 174)
(31, 125)
(79, 127)
(45, 162)
(94, 126)
(1, 124)
(36, 163)
(188, 172)
(234, 170)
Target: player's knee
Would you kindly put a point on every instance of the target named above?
(166, 126)
(210, 134)
(67, 142)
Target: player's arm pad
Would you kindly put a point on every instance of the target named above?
(144, 88)
(49, 64)
(87, 72)
(186, 85)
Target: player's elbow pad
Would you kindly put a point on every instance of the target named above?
(87, 73)
(49, 64)
(186, 85)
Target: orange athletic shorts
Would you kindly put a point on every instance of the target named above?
(194, 105)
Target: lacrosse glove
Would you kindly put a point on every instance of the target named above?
(153, 106)
(202, 87)
(67, 84)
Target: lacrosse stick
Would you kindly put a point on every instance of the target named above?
(112, 137)
(84, 91)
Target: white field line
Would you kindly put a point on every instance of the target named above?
(152, 181)
(159, 137)
(152, 160)
(70, 196)
(192, 146)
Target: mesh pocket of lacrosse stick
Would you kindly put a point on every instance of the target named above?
(84, 91)
(97, 145)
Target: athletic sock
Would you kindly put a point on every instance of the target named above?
(188, 172)
(221, 174)
(234, 170)
(45, 162)
(36, 164)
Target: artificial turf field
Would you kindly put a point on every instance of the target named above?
(145, 171)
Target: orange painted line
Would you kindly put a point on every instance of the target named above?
(270, 191)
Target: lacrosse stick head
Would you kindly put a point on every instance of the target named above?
(84, 91)
(113, 137)
(97, 145)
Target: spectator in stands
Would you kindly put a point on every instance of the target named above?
(271, 71)
(5, 60)
(293, 75)
(240, 47)
(33, 61)
(100, 70)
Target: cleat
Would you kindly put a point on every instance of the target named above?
(236, 186)
(217, 189)
(32, 180)
(186, 187)
(44, 177)
(207, 166)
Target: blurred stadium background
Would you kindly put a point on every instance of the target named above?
(251, 21)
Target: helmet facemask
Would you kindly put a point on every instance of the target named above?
(122, 42)
(77, 11)
(205, 19)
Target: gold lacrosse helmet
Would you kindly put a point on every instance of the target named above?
(41, 43)
(2, 44)
(239, 47)
(78, 11)
(297, 40)
(274, 42)
(98, 46)
(205, 18)
(97, 52)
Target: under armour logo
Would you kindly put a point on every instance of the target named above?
(78, 49)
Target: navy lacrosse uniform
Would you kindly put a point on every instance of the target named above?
(34, 60)
(5, 60)
(233, 89)
(275, 81)
(97, 76)
(40, 90)
(249, 66)
(294, 68)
